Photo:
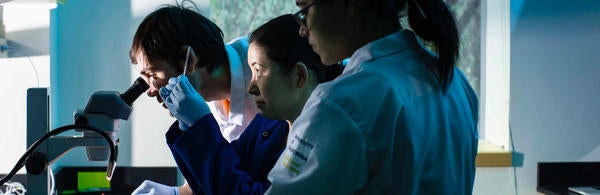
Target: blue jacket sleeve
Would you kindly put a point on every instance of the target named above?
(211, 165)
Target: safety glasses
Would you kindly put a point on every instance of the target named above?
(300, 16)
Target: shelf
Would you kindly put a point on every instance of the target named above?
(491, 155)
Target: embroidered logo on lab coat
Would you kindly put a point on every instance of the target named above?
(297, 154)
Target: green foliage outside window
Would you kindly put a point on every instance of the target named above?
(468, 19)
(239, 17)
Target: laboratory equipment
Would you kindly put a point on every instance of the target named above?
(98, 122)
(568, 177)
(90, 180)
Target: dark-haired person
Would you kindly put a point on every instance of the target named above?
(400, 119)
(285, 71)
(159, 51)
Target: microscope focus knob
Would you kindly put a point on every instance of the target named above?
(36, 163)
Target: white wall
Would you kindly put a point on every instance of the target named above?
(88, 53)
(555, 85)
(26, 25)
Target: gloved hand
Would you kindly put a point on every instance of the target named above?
(183, 101)
(149, 188)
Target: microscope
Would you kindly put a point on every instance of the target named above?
(98, 123)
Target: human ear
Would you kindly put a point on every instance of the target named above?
(300, 74)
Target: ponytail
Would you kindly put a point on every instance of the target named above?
(432, 21)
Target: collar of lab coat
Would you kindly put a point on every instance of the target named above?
(390, 44)
(236, 109)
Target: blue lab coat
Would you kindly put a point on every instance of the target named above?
(211, 165)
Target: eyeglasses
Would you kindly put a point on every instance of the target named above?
(301, 15)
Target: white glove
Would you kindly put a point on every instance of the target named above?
(149, 188)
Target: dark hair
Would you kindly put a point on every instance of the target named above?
(163, 34)
(433, 21)
(283, 45)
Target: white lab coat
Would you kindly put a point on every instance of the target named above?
(383, 127)
(242, 105)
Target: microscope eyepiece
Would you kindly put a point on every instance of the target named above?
(137, 88)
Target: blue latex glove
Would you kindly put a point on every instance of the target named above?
(183, 101)
(149, 187)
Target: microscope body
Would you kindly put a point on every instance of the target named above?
(103, 112)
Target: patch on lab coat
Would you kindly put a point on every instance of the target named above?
(297, 153)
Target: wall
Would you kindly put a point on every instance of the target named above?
(88, 41)
(555, 85)
(25, 64)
